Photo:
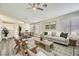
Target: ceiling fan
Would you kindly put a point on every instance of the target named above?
(38, 6)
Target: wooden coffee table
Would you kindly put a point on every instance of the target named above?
(47, 45)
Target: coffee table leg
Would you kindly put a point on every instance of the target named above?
(47, 48)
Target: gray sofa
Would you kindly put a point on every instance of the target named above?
(57, 39)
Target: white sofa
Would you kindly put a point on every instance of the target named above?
(55, 37)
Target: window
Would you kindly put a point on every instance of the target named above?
(47, 26)
(51, 25)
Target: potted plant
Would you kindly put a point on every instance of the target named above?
(5, 32)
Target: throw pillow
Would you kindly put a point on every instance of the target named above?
(64, 35)
(49, 33)
(58, 34)
(45, 33)
(53, 34)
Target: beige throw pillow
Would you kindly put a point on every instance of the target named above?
(58, 34)
(53, 34)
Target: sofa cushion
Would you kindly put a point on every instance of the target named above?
(64, 35)
(55, 38)
(58, 38)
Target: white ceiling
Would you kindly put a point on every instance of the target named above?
(21, 12)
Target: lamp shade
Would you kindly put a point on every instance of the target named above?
(74, 35)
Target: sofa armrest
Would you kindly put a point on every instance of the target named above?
(67, 41)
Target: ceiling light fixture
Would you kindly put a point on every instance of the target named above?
(38, 6)
(34, 8)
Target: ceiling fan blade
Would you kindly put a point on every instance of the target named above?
(30, 4)
(33, 5)
(44, 5)
(39, 8)
(38, 4)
